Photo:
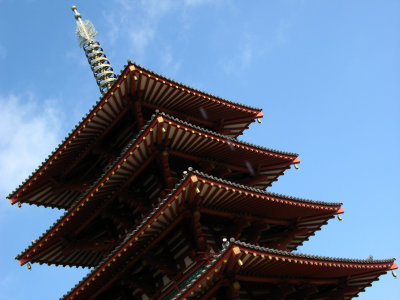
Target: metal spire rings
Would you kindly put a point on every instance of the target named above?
(101, 68)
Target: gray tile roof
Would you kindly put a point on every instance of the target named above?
(194, 89)
(157, 207)
(228, 244)
(174, 119)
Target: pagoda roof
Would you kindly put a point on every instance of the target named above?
(283, 198)
(213, 104)
(110, 107)
(256, 264)
(184, 136)
(217, 197)
(167, 213)
(250, 263)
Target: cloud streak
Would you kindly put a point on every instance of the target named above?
(140, 31)
(241, 59)
(28, 133)
(3, 52)
(143, 31)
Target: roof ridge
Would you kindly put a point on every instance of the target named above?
(228, 245)
(252, 189)
(185, 173)
(192, 88)
(155, 209)
(83, 195)
(307, 256)
(142, 224)
(234, 140)
(157, 112)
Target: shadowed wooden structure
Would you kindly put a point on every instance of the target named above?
(164, 202)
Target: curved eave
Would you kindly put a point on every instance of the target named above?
(246, 188)
(110, 106)
(143, 235)
(96, 120)
(163, 215)
(217, 196)
(251, 262)
(207, 96)
(192, 139)
(175, 98)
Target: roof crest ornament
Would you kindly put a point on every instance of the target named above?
(100, 65)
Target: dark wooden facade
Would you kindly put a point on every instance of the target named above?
(165, 203)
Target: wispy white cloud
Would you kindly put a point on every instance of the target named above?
(140, 39)
(246, 54)
(77, 56)
(28, 133)
(7, 281)
(197, 2)
(141, 31)
(140, 22)
(169, 62)
(242, 57)
(251, 47)
(282, 30)
(3, 52)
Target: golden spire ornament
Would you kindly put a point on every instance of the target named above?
(101, 68)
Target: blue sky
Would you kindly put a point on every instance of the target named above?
(326, 74)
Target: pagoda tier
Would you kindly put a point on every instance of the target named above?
(218, 209)
(151, 227)
(244, 271)
(238, 271)
(114, 120)
(188, 145)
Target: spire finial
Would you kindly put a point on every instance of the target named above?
(101, 68)
(75, 10)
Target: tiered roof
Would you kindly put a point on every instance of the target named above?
(212, 196)
(295, 275)
(324, 277)
(136, 90)
(133, 119)
(186, 141)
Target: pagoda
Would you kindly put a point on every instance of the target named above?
(164, 202)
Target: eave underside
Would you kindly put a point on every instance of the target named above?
(245, 271)
(83, 237)
(238, 271)
(203, 149)
(138, 92)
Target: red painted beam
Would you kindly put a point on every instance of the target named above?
(276, 280)
(230, 215)
(180, 116)
(128, 265)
